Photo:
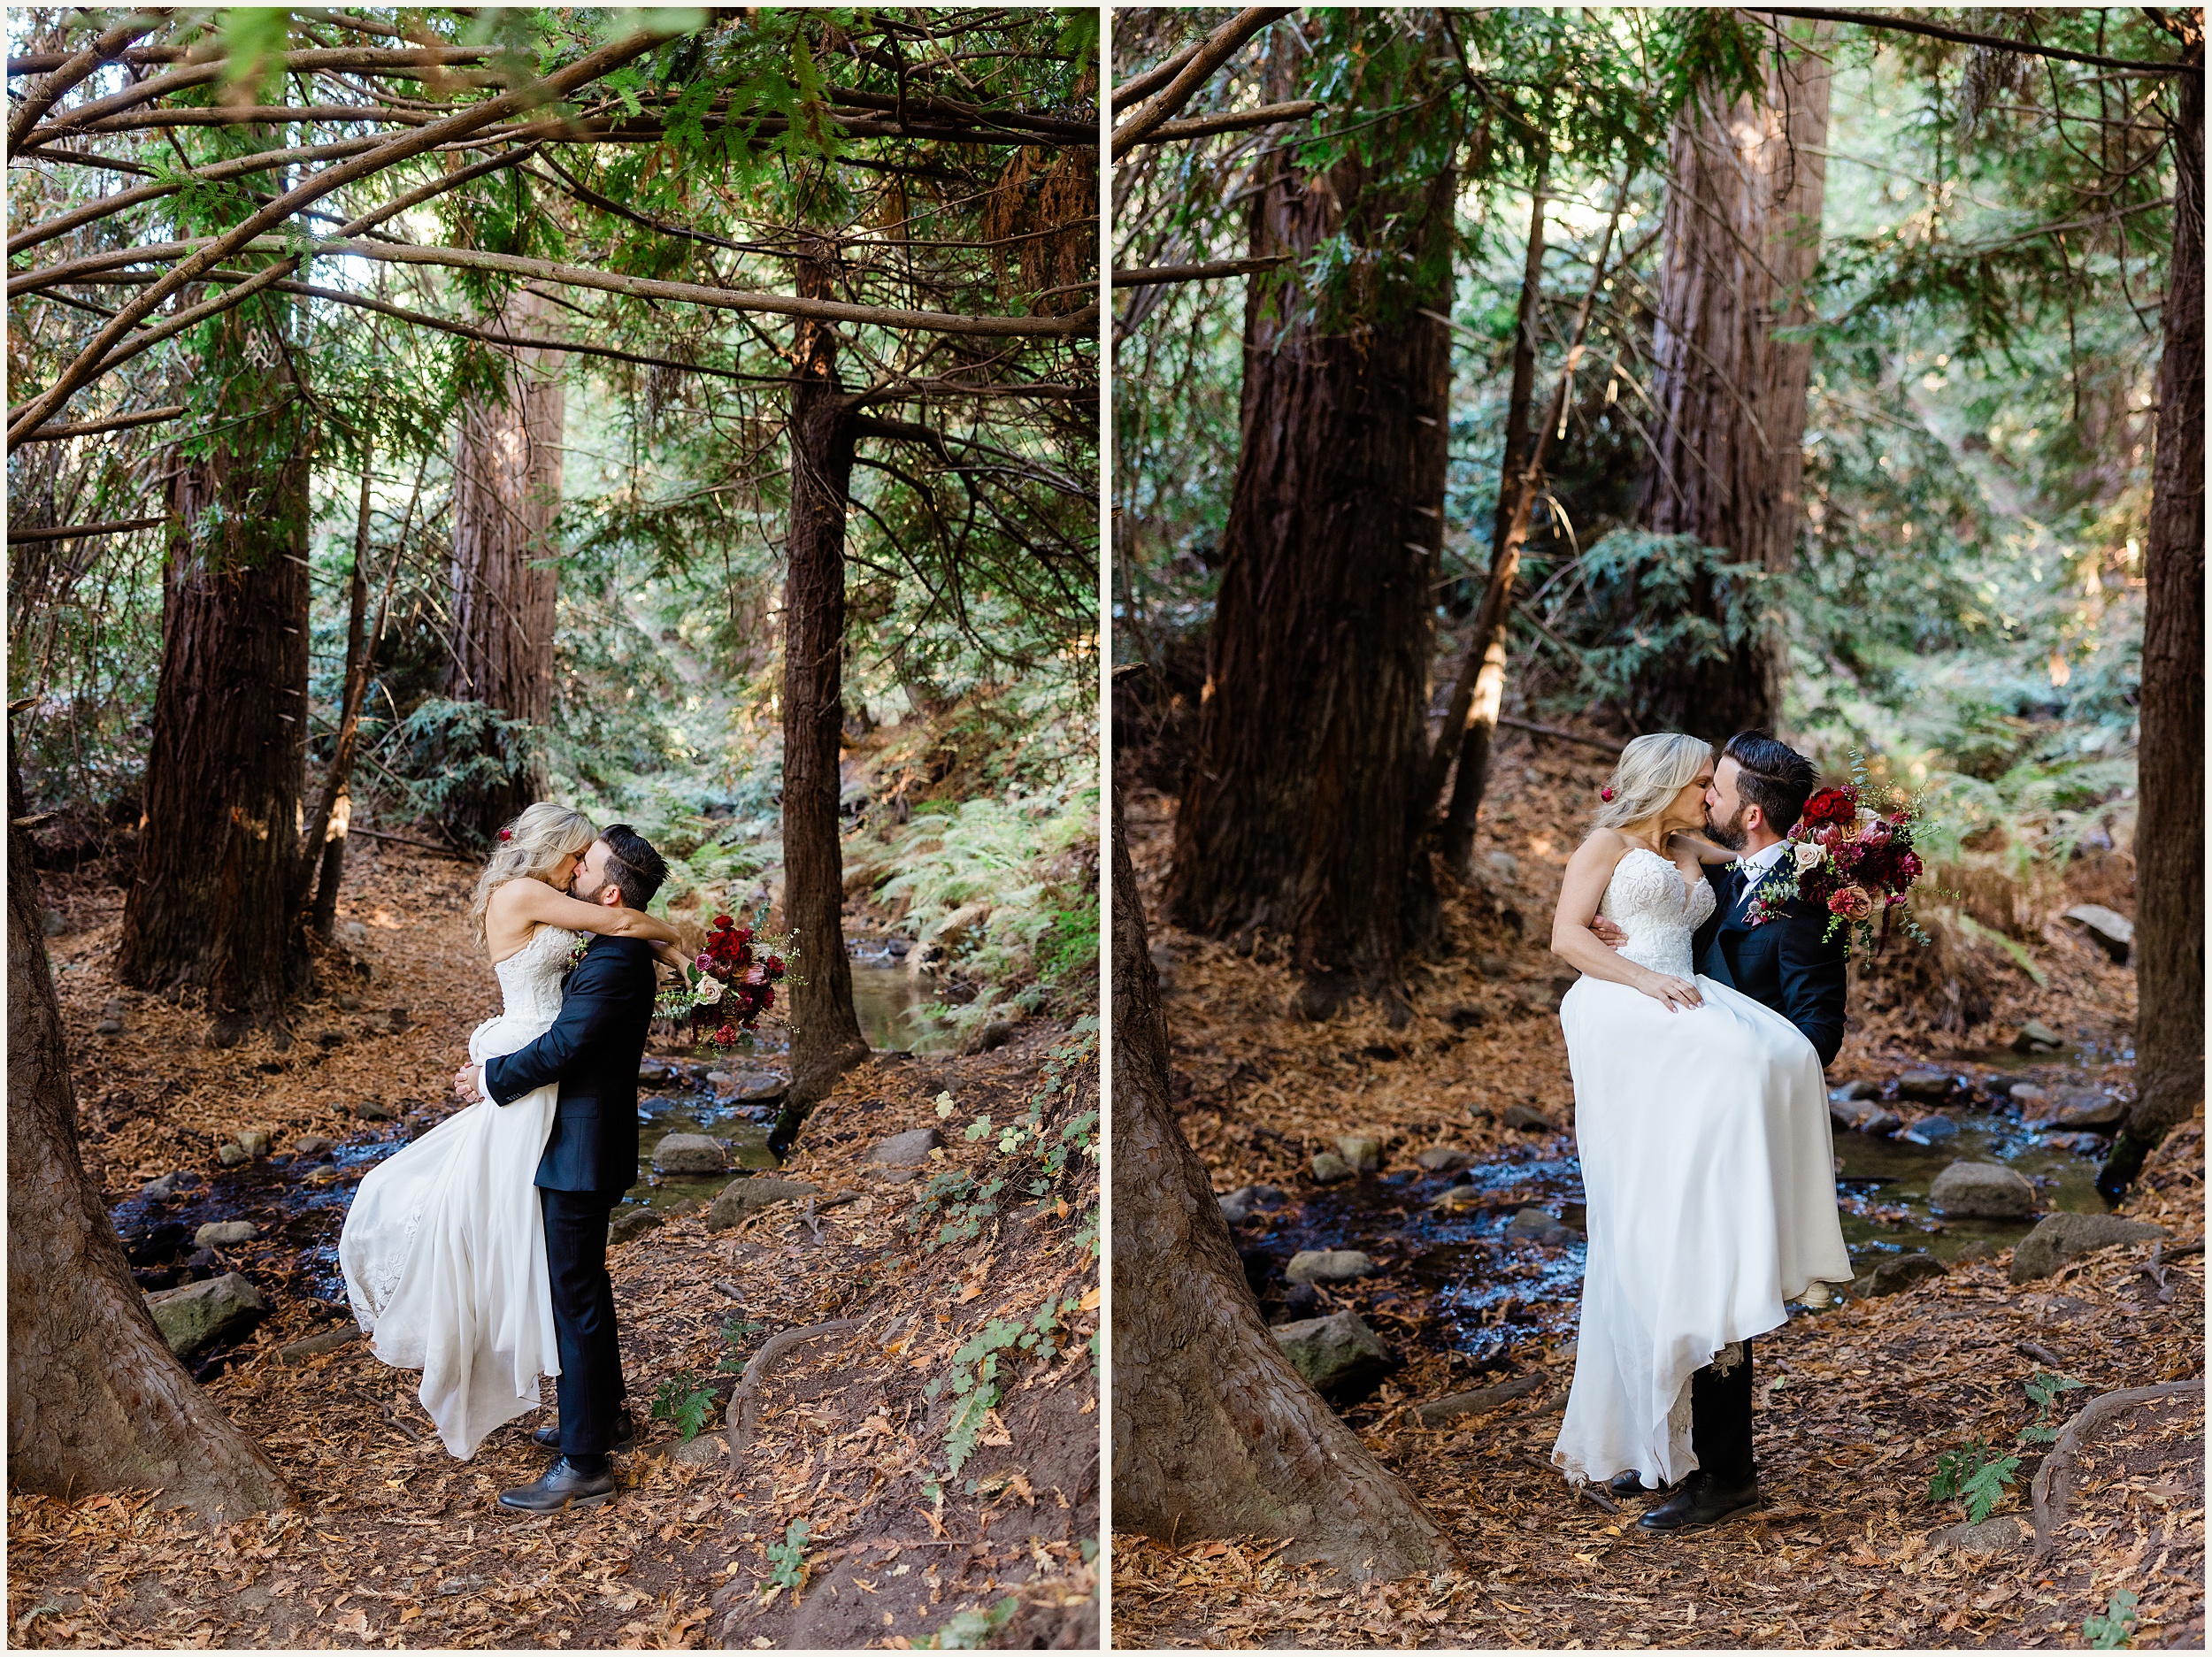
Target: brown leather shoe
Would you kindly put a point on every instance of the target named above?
(562, 1486)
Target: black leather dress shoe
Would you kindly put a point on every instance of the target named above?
(1630, 1484)
(563, 1487)
(1701, 1501)
(625, 1433)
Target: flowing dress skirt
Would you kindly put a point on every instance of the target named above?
(444, 1252)
(1710, 1170)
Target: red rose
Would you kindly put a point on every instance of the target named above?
(766, 995)
(1830, 805)
(775, 966)
(745, 934)
(723, 923)
(726, 1036)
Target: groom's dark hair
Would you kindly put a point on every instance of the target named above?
(1773, 776)
(635, 867)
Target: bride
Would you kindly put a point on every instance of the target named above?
(1702, 1124)
(443, 1249)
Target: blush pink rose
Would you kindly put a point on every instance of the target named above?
(1854, 903)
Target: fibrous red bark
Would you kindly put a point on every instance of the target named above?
(1300, 817)
(1215, 1433)
(506, 493)
(95, 1399)
(212, 905)
(1740, 240)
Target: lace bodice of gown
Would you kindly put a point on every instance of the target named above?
(530, 978)
(1647, 900)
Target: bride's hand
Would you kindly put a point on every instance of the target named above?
(1677, 994)
(668, 956)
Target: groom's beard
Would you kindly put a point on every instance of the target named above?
(1730, 833)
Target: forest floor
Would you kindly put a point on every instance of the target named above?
(1854, 1403)
(844, 1523)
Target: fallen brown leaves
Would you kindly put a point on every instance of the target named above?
(393, 1544)
(1854, 1405)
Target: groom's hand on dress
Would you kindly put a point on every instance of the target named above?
(466, 1086)
(1609, 934)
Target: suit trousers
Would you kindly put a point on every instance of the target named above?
(1720, 1420)
(590, 1388)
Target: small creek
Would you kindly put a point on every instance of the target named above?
(300, 1202)
(1491, 1291)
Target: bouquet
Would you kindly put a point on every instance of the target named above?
(737, 983)
(1853, 860)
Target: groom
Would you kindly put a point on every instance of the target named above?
(590, 1160)
(1789, 963)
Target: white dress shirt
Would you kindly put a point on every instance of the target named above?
(1757, 865)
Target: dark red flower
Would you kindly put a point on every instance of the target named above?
(1830, 805)
(726, 1036)
(723, 923)
(766, 994)
(506, 834)
(774, 964)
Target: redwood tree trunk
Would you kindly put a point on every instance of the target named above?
(507, 492)
(2170, 840)
(1215, 1433)
(214, 905)
(1301, 815)
(1741, 237)
(95, 1399)
(825, 1038)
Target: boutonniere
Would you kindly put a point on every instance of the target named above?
(1773, 889)
(576, 955)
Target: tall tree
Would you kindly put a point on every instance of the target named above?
(1299, 814)
(1740, 241)
(1215, 1433)
(95, 1399)
(506, 493)
(2169, 843)
(211, 904)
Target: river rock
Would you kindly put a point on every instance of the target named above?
(2037, 1037)
(1436, 1411)
(108, 1026)
(689, 1154)
(1931, 1086)
(2109, 931)
(742, 1197)
(2059, 1237)
(1894, 1276)
(758, 1087)
(1853, 1114)
(223, 1233)
(1931, 1130)
(231, 1155)
(905, 1150)
(631, 1223)
(2027, 1095)
(2001, 1535)
(2090, 1109)
(373, 1110)
(2083, 1144)
(1246, 1200)
(1337, 1353)
(296, 1353)
(1538, 1225)
(1851, 1091)
(196, 1316)
(650, 1072)
(313, 1144)
(1459, 1200)
(1329, 1169)
(1445, 1159)
(1982, 1190)
(1363, 1151)
(159, 1190)
(254, 1141)
(1328, 1265)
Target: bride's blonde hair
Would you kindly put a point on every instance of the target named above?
(1650, 771)
(529, 846)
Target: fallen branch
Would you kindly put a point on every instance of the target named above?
(2048, 1495)
(1555, 733)
(2041, 1355)
(401, 839)
(738, 1422)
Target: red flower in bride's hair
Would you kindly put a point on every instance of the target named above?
(1606, 795)
(506, 834)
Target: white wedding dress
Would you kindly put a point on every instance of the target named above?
(1709, 1173)
(443, 1249)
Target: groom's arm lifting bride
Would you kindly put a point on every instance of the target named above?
(590, 1160)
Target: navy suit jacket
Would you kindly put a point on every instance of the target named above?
(1784, 963)
(592, 1051)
